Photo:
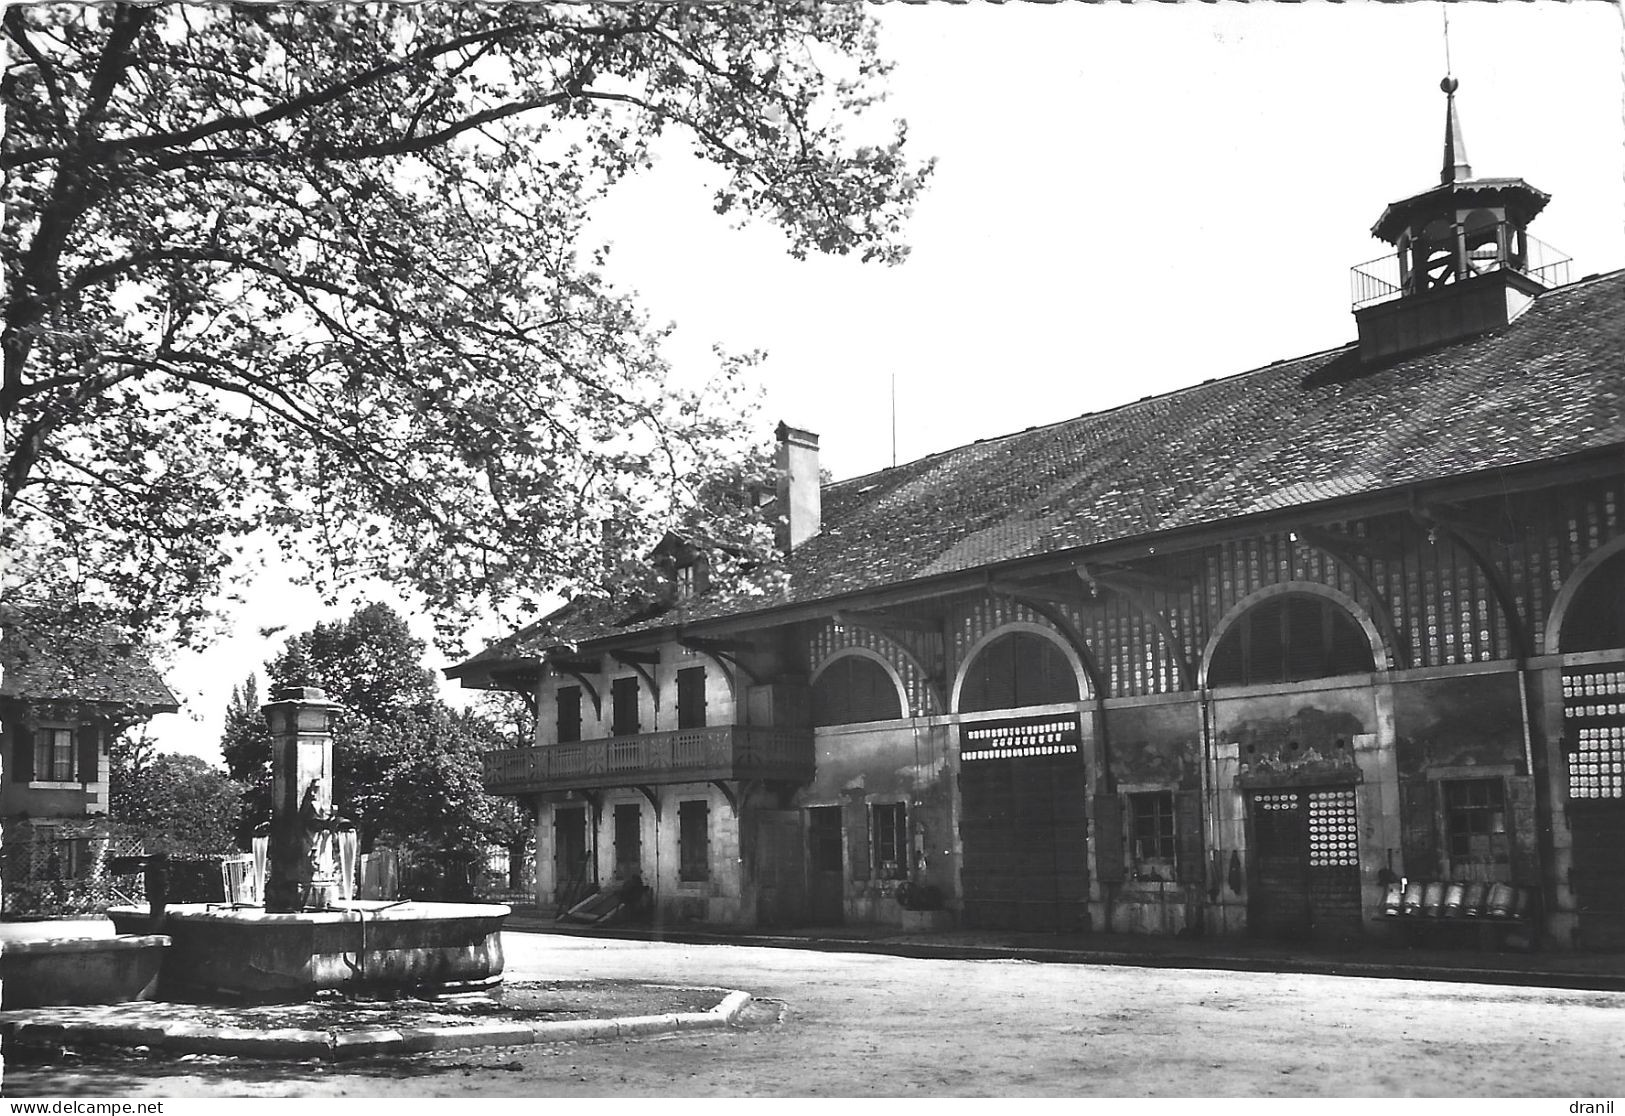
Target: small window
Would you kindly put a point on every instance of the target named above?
(53, 755)
(694, 840)
(890, 829)
(691, 698)
(1475, 822)
(623, 693)
(569, 702)
(1153, 843)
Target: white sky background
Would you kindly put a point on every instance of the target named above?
(1129, 199)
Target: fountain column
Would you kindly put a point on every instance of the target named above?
(301, 723)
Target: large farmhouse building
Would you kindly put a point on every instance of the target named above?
(1287, 652)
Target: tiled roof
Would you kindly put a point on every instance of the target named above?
(1297, 432)
(51, 659)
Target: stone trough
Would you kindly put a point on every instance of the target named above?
(46, 972)
(356, 947)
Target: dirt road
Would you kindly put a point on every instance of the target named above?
(835, 1024)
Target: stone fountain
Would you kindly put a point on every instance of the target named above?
(310, 934)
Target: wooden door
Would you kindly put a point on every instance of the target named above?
(628, 840)
(779, 868)
(1278, 893)
(1306, 876)
(826, 875)
(571, 870)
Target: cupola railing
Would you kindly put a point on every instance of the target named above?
(1383, 278)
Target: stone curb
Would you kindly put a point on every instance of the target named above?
(192, 1038)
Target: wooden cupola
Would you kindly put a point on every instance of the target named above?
(1463, 259)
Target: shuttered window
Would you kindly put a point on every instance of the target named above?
(691, 698)
(694, 840)
(569, 703)
(623, 694)
(1016, 670)
(1290, 638)
(854, 689)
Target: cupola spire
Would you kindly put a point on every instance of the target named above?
(1456, 167)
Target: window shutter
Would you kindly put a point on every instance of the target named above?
(1109, 857)
(857, 837)
(22, 753)
(90, 765)
(1522, 829)
(1418, 836)
(1188, 828)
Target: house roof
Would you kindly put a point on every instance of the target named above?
(52, 658)
(1295, 433)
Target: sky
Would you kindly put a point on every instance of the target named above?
(1129, 199)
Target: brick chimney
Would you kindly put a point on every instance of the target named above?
(799, 487)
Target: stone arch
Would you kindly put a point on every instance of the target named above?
(873, 656)
(1552, 644)
(1079, 672)
(1381, 657)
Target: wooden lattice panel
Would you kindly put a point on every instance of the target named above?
(1594, 716)
(1035, 736)
(1334, 832)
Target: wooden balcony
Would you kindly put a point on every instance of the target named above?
(653, 758)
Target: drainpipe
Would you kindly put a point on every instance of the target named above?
(1210, 797)
(1523, 709)
(1542, 803)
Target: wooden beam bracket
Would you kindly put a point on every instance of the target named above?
(654, 799)
(723, 656)
(730, 792)
(1176, 650)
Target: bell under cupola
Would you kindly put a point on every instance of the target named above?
(1463, 260)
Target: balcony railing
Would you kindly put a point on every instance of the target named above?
(1381, 279)
(683, 756)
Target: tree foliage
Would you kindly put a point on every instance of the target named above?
(245, 744)
(320, 271)
(406, 766)
(177, 803)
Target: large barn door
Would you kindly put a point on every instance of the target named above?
(1594, 730)
(1022, 825)
(1598, 876)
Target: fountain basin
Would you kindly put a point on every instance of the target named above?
(50, 971)
(357, 946)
